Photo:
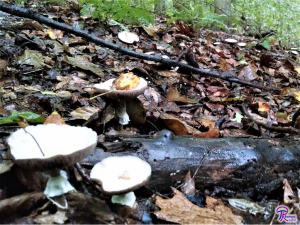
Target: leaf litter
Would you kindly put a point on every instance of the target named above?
(34, 83)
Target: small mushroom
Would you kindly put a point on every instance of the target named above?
(52, 147)
(242, 44)
(122, 96)
(231, 41)
(128, 37)
(120, 176)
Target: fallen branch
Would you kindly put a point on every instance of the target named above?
(31, 14)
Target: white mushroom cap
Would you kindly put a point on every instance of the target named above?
(242, 44)
(117, 94)
(62, 146)
(118, 175)
(128, 37)
(231, 41)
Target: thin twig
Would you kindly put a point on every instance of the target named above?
(86, 177)
(278, 129)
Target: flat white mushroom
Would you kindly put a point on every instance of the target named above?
(294, 52)
(122, 96)
(242, 44)
(128, 37)
(52, 147)
(120, 176)
(231, 41)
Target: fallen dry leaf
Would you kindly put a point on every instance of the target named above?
(188, 186)
(84, 112)
(177, 126)
(248, 73)
(182, 211)
(55, 34)
(55, 118)
(174, 96)
(288, 195)
(212, 133)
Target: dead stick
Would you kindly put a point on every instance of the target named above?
(278, 129)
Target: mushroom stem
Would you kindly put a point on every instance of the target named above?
(124, 199)
(58, 185)
(121, 112)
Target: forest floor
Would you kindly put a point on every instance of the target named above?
(44, 70)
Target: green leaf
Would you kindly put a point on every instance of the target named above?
(32, 117)
(266, 44)
(16, 116)
(48, 93)
(238, 118)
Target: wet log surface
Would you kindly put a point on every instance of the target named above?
(252, 167)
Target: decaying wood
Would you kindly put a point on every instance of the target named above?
(245, 165)
(21, 205)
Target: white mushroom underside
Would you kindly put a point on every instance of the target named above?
(53, 140)
(120, 173)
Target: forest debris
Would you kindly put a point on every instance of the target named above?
(177, 126)
(180, 210)
(32, 58)
(84, 112)
(173, 95)
(83, 63)
(57, 218)
(21, 204)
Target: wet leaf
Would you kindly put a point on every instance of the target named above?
(48, 93)
(297, 70)
(55, 34)
(248, 73)
(247, 206)
(83, 63)
(173, 95)
(152, 95)
(211, 133)
(84, 112)
(206, 122)
(16, 116)
(55, 118)
(182, 211)
(32, 58)
(151, 30)
(177, 126)
(290, 92)
(188, 186)
(266, 44)
(57, 218)
(288, 194)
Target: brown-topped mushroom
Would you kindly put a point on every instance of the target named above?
(51, 147)
(122, 96)
(120, 176)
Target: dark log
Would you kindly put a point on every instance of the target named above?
(254, 167)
